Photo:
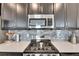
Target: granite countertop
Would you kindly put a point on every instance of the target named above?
(62, 46)
(12, 46)
(66, 47)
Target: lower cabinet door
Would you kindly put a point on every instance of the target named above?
(69, 54)
(11, 54)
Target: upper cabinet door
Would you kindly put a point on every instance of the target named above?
(71, 14)
(78, 15)
(21, 15)
(46, 8)
(14, 15)
(59, 15)
(41, 8)
(0, 9)
(6, 11)
(12, 22)
(34, 8)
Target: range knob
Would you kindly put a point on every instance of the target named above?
(33, 55)
(48, 55)
(41, 54)
(26, 54)
(53, 55)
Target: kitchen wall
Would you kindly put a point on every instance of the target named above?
(2, 32)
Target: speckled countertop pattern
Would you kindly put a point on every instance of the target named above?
(66, 47)
(12, 46)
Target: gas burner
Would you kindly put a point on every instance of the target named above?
(44, 48)
(47, 46)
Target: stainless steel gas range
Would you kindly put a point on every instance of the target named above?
(41, 48)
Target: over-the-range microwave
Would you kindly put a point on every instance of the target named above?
(41, 21)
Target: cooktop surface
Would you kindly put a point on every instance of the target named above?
(41, 46)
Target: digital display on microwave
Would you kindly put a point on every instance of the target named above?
(37, 21)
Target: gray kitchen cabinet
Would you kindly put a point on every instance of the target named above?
(14, 16)
(21, 18)
(0, 9)
(59, 15)
(12, 22)
(78, 15)
(71, 15)
(11, 54)
(41, 8)
(46, 8)
(8, 13)
(69, 54)
(34, 8)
